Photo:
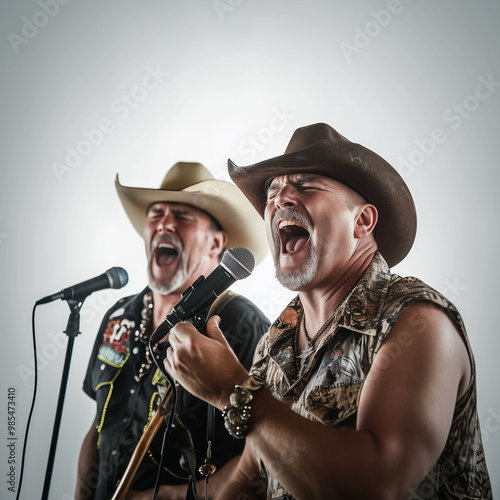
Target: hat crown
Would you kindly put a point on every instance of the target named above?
(184, 174)
(310, 134)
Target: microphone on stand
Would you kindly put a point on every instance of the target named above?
(116, 277)
(237, 263)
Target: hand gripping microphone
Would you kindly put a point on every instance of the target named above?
(237, 263)
(116, 277)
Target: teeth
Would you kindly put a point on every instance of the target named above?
(285, 223)
(165, 244)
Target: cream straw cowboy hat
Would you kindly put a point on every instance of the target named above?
(193, 184)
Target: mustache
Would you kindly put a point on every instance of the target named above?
(166, 238)
(293, 214)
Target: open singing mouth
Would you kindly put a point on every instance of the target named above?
(165, 253)
(293, 235)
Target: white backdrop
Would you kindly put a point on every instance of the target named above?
(93, 88)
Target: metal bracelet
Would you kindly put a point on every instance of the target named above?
(236, 415)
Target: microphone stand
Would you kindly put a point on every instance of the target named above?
(72, 330)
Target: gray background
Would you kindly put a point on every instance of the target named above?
(234, 78)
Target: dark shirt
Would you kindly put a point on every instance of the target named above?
(125, 405)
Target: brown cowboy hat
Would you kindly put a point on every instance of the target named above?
(322, 150)
(193, 184)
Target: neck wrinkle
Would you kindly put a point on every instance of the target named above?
(318, 305)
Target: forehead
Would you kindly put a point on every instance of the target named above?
(300, 179)
(160, 206)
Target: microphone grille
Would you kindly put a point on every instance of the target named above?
(117, 276)
(239, 261)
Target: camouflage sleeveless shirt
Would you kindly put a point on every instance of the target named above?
(327, 387)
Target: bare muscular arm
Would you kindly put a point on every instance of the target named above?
(245, 482)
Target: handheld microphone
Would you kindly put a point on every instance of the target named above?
(237, 263)
(116, 277)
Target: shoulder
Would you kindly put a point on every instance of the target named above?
(404, 291)
(427, 334)
(407, 292)
(426, 318)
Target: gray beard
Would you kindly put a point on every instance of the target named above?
(296, 279)
(167, 287)
(300, 278)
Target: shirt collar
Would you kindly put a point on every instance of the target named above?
(360, 312)
(363, 310)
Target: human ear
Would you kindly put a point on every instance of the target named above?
(365, 221)
(219, 241)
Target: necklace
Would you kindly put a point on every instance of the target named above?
(312, 341)
(142, 334)
(309, 348)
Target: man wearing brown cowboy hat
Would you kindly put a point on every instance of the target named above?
(365, 386)
(186, 224)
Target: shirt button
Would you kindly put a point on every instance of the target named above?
(103, 366)
(132, 391)
(135, 350)
(113, 452)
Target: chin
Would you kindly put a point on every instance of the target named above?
(298, 279)
(165, 286)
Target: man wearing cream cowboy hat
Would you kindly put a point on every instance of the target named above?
(365, 386)
(186, 224)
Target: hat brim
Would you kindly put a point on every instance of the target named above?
(222, 200)
(357, 167)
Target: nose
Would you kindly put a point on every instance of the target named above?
(166, 224)
(285, 198)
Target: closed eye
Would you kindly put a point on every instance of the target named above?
(271, 196)
(186, 217)
(155, 215)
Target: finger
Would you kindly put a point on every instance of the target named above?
(174, 339)
(182, 331)
(166, 361)
(213, 329)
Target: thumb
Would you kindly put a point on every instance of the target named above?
(213, 330)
